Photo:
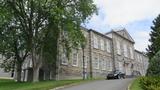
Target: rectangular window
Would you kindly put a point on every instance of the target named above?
(95, 42)
(125, 50)
(64, 57)
(96, 63)
(75, 58)
(118, 48)
(120, 66)
(102, 44)
(110, 65)
(108, 46)
(131, 52)
(103, 64)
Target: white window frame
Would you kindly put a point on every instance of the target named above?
(103, 63)
(125, 50)
(110, 65)
(131, 52)
(108, 46)
(118, 48)
(102, 44)
(120, 65)
(95, 41)
(75, 52)
(64, 59)
(96, 62)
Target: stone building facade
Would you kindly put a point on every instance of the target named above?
(140, 62)
(103, 53)
(123, 50)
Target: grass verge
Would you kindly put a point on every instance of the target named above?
(135, 85)
(6, 84)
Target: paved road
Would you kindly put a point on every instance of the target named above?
(121, 84)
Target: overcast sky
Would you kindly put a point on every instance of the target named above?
(134, 15)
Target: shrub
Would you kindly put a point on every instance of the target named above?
(150, 83)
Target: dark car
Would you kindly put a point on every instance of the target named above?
(115, 75)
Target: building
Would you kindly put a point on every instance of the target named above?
(3, 73)
(103, 53)
(140, 62)
(123, 50)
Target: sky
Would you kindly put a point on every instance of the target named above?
(134, 15)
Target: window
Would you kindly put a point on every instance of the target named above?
(109, 65)
(95, 42)
(120, 66)
(108, 46)
(125, 50)
(75, 58)
(64, 58)
(131, 52)
(103, 64)
(96, 63)
(102, 44)
(118, 48)
(140, 58)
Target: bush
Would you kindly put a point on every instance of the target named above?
(150, 83)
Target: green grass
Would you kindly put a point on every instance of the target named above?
(43, 85)
(135, 85)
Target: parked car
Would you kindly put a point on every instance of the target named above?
(115, 75)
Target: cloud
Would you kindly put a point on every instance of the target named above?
(134, 15)
(122, 12)
(141, 39)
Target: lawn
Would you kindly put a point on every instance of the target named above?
(135, 85)
(43, 85)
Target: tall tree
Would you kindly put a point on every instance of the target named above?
(154, 65)
(40, 18)
(12, 45)
(154, 48)
(154, 40)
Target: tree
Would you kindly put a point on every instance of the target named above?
(154, 65)
(12, 45)
(154, 47)
(39, 18)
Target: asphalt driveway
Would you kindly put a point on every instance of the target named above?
(120, 84)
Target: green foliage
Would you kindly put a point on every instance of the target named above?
(136, 85)
(37, 26)
(154, 66)
(154, 49)
(154, 38)
(150, 83)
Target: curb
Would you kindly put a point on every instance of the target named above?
(128, 88)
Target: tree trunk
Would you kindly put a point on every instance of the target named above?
(36, 74)
(19, 70)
